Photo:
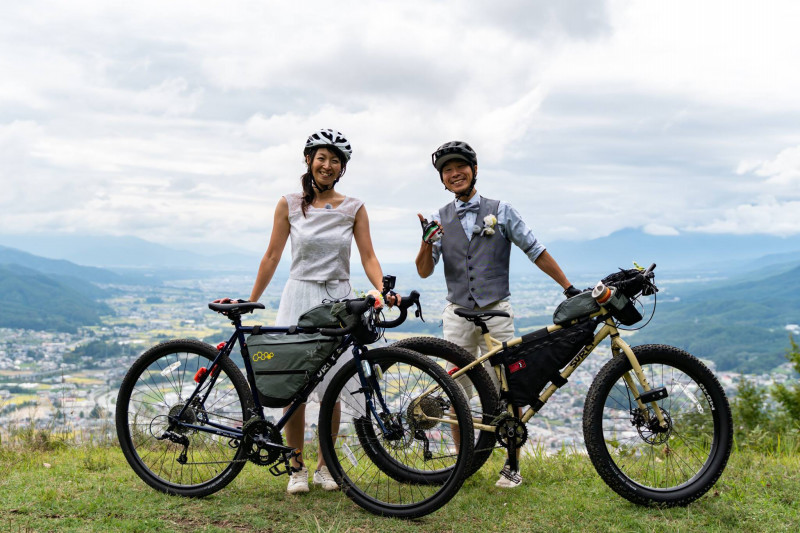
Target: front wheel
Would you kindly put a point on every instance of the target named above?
(163, 450)
(643, 461)
(396, 457)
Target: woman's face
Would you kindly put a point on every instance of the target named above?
(326, 167)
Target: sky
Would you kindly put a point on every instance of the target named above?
(183, 122)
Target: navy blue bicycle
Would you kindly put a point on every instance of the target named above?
(188, 419)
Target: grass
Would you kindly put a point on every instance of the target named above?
(52, 486)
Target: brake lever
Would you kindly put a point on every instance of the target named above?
(418, 312)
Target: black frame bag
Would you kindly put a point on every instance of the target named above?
(538, 360)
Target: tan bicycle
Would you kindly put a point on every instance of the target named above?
(656, 422)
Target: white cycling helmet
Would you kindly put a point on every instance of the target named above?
(329, 137)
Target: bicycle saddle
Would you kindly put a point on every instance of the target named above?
(472, 314)
(236, 307)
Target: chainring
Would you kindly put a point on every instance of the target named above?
(511, 430)
(255, 431)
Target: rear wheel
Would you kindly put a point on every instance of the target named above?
(400, 461)
(638, 458)
(478, 387)
(170, 457)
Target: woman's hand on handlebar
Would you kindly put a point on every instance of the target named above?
(391, 298)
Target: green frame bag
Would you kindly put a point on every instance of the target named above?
(284, 363)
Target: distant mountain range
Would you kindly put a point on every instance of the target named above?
(33, 300)
(728, 254)
(60, 267)
(123, 253)
(740, 326)
(739, 320)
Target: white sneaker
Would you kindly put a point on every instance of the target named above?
(298, 482)
(323, 478)
(509, 479)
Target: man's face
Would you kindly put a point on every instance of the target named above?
(457, 175)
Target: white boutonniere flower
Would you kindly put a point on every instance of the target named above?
(489, 222)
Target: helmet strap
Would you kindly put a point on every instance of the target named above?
(323, 189)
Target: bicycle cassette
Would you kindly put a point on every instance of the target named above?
(511, 430)
(258, 436)
(421, 414)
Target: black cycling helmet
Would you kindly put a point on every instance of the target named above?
(456, 150)
(453, 150)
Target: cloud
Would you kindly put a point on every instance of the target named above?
(767, 215)
(658, 229)
(169, 97)
(782, 172)
(184, 121)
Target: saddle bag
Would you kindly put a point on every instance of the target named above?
(284, 363)
(538, 360)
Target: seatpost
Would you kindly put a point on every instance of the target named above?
(481, 324)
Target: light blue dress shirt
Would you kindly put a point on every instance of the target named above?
(509, 222)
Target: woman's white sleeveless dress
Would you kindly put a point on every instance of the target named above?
(320, 271)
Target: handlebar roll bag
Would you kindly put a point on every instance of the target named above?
(578, 306)
(283, 364)
(327, 315)
(529, 366)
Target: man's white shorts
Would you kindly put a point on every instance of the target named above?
(466, 335)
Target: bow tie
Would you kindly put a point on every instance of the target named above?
(463, 209)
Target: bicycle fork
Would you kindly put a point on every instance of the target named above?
(650, 395)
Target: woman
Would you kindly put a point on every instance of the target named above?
(322, 224)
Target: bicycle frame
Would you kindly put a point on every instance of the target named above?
(618, 348)
(202, 391)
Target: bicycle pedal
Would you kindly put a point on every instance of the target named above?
(511, 475)
(279, 469)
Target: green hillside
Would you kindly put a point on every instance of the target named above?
(32, 300)
(740, 326)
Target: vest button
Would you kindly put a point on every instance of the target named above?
(470, 268)
(470, 298)
(469, 257)
(472, 279)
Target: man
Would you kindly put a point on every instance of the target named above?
(473, 235)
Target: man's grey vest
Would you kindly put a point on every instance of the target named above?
(476, 270)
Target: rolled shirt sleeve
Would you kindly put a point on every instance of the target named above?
(515, 230)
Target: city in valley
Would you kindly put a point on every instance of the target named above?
(67, 382)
